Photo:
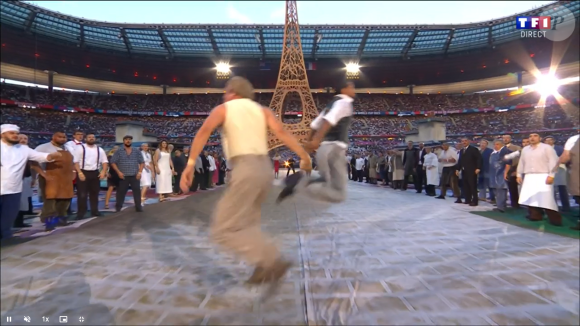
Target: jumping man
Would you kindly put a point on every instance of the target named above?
(330, 133)
(236, 221)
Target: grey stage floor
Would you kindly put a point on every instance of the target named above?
(382, 257)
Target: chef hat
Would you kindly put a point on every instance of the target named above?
(8, 127)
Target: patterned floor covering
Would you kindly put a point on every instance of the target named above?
(383, 257)
(37, 228)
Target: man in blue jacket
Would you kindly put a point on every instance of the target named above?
(498, 174)
(483, 182)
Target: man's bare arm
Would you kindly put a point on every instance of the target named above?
(565, 157)
(284, 136)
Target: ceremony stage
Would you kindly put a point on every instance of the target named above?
(382, 257)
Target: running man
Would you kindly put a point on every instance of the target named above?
(329, 136)
(236, 221)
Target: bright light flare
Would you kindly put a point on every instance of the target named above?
(222, 67)
(352, 67)
(547, 85)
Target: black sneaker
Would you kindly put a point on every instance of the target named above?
(291, 183)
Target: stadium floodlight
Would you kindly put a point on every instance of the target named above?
(547, 85)
(222, 67)
(352, 67)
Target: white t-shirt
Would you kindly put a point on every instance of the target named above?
(340, 109)
(360, 163)
(570, 142)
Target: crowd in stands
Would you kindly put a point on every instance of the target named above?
(180, 129)
(292, 103)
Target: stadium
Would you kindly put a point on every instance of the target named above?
(478, 81)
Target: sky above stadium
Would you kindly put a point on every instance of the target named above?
(309, 12)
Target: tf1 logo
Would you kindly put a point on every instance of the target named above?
(537, 26)
(534, 22)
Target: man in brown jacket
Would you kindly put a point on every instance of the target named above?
(57, 188)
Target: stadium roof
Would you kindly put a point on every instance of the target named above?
(265, 41)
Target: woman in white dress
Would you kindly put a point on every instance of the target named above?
(148, 174)
(164, 169)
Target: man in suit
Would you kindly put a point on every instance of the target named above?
(512, 177)
(178, 166)
(366, 168)
(353, 172)
(497, 173)
(421, 174)
(410, 164)
(206, 173)
(484, 177)
(469, 166)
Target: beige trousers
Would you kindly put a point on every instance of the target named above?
(236, 221)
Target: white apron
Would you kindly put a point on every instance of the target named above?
(536, 193)
(430, 160)
(26, 192)
(146, 175)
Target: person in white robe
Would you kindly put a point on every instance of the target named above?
(13, 159)
(148, 174)
(431, 167)
(537, 163)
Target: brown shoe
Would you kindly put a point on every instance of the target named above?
(257, 277)
(272, 274)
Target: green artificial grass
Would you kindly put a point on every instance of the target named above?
(517, 217)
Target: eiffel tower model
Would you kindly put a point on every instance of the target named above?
(292, 78)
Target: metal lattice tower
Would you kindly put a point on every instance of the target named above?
(292, 78)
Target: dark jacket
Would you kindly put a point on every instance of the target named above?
(415, 153)
(205, 162)
(179, 163)
(469, 159)
(422, 153)
(559, 150)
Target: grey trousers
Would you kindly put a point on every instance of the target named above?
(501, 198)
(236, 220)
(332, 186)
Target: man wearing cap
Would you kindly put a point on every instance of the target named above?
(13, 160)
(128, 164)
(329, 137)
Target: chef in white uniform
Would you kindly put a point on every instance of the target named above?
(431, 166)
(13, 159)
